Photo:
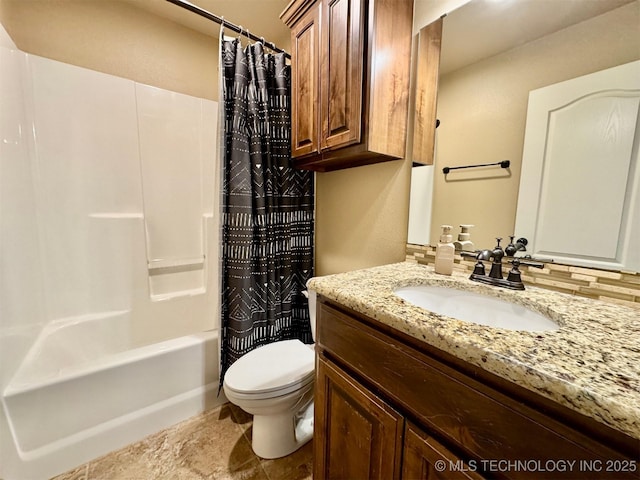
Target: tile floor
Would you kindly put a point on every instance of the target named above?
(215, 445)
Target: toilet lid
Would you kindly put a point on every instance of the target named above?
(280, 367)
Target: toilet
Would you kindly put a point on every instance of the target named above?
(274, 383)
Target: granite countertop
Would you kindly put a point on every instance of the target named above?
(591, 364)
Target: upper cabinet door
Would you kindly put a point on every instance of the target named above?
(342, 70)
(305, 39)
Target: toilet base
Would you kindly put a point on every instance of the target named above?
(276, 436)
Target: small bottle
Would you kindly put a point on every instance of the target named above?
(464, 242)
(445, 251)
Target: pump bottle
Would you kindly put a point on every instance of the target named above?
(464, 242)
(444, 252)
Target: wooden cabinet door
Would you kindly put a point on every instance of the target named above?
(427, 459)
(358, 436)
(342, 58)
(305, 42)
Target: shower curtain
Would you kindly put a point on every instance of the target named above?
(267, 207)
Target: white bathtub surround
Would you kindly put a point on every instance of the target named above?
(108, 327)
(174, 147)
(22, 314)
(5, 39)
(74, 399)
(108, 207)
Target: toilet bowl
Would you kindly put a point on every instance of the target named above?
(274, 383)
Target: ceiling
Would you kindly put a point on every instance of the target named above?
(476, 30)
(260, 17)
(483, 28)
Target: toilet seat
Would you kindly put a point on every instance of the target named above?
(272, 370)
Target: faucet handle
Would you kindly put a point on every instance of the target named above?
(518, 261)
(478, 270)
(514, 273)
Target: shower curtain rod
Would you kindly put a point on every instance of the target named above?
(221, 21)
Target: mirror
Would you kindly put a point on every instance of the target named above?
(493, 53)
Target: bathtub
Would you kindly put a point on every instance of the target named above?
(83, 390)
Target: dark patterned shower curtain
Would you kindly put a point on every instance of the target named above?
(267, 224)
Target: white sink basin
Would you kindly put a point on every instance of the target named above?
(476, 308)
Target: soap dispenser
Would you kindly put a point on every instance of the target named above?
(464, 242)
(444, 252)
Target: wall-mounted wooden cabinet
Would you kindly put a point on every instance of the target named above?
(350, 81)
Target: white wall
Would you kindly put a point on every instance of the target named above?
(22, 307)
(101, 175)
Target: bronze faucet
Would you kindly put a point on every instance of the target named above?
(495, 277)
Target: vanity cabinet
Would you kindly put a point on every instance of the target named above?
(422, 453)
(390, 406)
(359, 433)
(350, 69)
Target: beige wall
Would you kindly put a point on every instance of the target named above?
(483, 111)
(117, 38)
(361, 216)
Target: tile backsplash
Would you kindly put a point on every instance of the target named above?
(611, 286)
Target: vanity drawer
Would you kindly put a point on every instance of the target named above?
(478, 420)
